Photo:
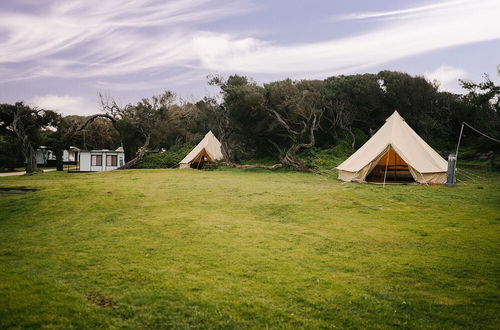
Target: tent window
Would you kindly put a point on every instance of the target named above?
(397, 169)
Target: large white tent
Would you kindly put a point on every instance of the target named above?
(208, 150)
(395, 153)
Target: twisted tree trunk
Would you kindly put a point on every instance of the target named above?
(287, 155)
(138, 156)
(59, 159)
(270, 167)
(28, 150)
(31, 166)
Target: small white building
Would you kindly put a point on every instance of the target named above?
(101, 160)
(45, 156)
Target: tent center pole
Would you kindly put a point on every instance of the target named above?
(386, 164)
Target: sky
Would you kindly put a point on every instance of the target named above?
(60, 54)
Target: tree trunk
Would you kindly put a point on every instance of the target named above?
(59, 159)
(31, 166)
(271, 167)
(28, 150)
(227, 152)
(138, 156)
(289, 160)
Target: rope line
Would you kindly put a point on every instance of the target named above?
(470, 173)
(489, 137)
(468, 177)
(460, 138)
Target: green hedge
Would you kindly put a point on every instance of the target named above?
(326, 159)
(167, 159)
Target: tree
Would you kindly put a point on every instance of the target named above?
(60, 137)
(27, 124)
(352, 104)
(10, 154)
(139, 123)
(297, 109)
(481, 109)
(416, 99)
(243, 116)
(100, 133)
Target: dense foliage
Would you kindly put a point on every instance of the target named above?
(288, 121)
(166, 159)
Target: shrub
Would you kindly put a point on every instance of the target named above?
(326, 159)
(167, 159)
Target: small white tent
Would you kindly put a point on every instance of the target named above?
(395, 153)
(208, 150)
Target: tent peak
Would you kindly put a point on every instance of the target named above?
(395, 116)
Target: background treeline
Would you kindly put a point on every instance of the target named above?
(283, 121)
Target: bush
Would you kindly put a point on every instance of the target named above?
(167, 159)
(326, 159)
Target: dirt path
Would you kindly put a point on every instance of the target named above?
(23, 172)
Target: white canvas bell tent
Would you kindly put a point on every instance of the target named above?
(208, 150)
(395, 154)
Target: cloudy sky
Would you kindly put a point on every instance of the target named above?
(60, 54)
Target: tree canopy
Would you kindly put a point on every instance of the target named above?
(279, 119)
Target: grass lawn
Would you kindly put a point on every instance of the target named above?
(247, 248)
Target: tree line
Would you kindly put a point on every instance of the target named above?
(280, 119)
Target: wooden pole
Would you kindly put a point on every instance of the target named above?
(386, 164)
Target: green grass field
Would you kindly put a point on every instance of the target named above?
(247, 249)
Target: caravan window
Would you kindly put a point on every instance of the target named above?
(96, 160)
(111, 160)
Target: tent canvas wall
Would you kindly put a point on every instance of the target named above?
(208, 150)
(395, 151)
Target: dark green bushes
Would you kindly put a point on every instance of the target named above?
(167, 159)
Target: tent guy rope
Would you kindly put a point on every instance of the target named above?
(478, 131)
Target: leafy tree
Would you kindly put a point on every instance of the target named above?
(28, 125)
(10, 154)
(241, 118)
(296, 108)
(352, 104)
(98, 134)
(60, 137)
(416, 99)
(139, 123)
(480, 107)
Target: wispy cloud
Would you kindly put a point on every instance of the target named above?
(446, 76)
(401, 12)
(65, 104)
(131, 45)
(94, 38)
(448, 24)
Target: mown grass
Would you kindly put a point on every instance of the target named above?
(247, 248)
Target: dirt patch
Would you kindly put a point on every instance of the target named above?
(100, 300)
(8, 191)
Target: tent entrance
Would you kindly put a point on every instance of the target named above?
(391, 167)
(201, 160)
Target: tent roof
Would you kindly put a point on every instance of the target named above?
(411, 147)
(211, 145)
